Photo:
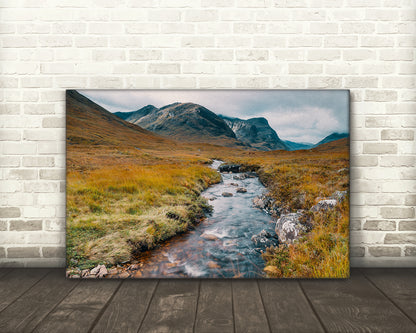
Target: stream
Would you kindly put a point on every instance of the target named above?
(225, 249)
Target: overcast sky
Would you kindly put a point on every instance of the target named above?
(295, 115)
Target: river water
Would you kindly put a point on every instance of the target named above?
(225, 248)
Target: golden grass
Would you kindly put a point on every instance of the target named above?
(115, 211)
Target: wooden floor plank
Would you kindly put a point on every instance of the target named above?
(215, 308)
(249, 313)
(287, 308)
(354, 305)
(399, 285)
(4, 271)
(17, 282)
(77, 312)
(29, 310)
(128, 307)
(172, 308)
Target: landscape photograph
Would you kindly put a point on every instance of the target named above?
(207, 183)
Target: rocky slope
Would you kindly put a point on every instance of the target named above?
(256, 132)
(185, 122)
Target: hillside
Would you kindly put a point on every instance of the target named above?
(187, 122)
(255, 132)
(332, 137)
(90, 124)
(340, 145)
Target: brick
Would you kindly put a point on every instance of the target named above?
(249, 28)
(9, 212)
(3, 225)
(357, 251)
(30, 225)
(305, 68)
(53, 122)
(10, 186)
(397, 161)
(325, 82)
(252, 82)
(380, 225)
(42, 135)
(410, 199)
(384, 251)
(410, 251)
(322, 55)
(9, 135)
(200, 41)
(400, 238)
(53, 252)
(39, 109)
(359, 55)
(177, 28)
(397, 213)
(218, 55)
(377, 41)
(364, 161)
(106, 28)
(393, 134)
(55, 225)
(380, 148)
(164, 15)
(2, 252)
(179, 82)
(163, 68)
(341, 41)
(381, 95)
(407, 225)
(361, 82)
(9, 161)
(144, 55)
(355, 225)
(109, 55)
(252, 55)
(195, 15)
(52, 174)
(23, 252)
(21, 174)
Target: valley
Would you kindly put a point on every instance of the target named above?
(132, 186)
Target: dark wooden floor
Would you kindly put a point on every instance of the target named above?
(372, 300)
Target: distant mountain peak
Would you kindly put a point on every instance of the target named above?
(332, 137)
(255, 132)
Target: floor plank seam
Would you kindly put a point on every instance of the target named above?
(232, 305)
(100, 314)
(27, 290)
(312, 307)
(264, 308)
(386, 296)
(148, 306)
(196, 309)
(76, 283)
(7, 273)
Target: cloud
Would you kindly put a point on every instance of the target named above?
(296, 115)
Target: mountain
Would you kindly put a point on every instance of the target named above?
(335, 146)
(186, 122)
(256, 132)
(89, 124)
(332, 137)
(297, 145)
(135, 115)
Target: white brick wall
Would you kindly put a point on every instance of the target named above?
(365, 46)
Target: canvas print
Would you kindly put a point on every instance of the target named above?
(207, 183)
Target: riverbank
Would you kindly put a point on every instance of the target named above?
(114, 212)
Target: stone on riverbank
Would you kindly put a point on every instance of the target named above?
(289, 228)
(241, 190)
(264, 239)
(227, 194)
